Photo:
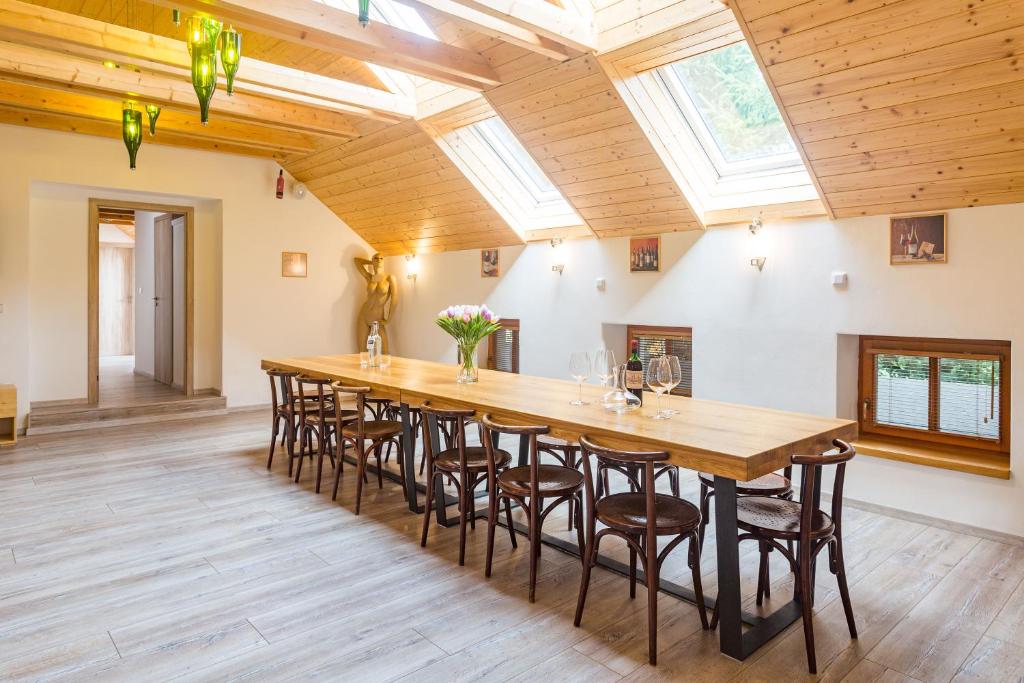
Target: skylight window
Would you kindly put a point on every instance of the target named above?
(496, 135)
(723, 98)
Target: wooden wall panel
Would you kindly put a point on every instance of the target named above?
(572, 121)
(401, 194)
(899, 106)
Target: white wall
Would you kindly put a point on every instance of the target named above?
(768, 338)
(145, 288)
(244, 310)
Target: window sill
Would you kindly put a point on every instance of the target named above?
(983, 463)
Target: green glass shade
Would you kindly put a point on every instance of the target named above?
(230, 55)
(153, 112)
(204, 76)
(202, 30)
(131, 130)
(176, 16)
(364, 12)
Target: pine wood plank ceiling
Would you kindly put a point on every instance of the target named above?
(898, 106)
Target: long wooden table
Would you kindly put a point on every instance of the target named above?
(733, 442)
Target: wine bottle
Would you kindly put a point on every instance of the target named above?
(635, 372)
(280, 185)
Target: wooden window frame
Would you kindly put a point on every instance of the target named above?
(492, 345)
(871, 345)
(633, 331)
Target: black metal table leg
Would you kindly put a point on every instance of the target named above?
(730, 624)
(409, 458)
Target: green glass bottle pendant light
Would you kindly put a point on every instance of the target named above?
(364, 12)
(230, 55)
(131, 130)
(153, 112)
(203, 34)
(176, 16)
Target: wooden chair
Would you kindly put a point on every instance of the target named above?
(282, 397)
(529, 486)
(313, 405)
(639, 518)
(772, 520)
(567, 453)
(464, 466)
(773, 484)
(358, 432)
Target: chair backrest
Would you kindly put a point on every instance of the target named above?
(810, 477)
(491, 427)
(311, 389)
(616, 457)
(281, 380)
(344, 393)
(457, 417)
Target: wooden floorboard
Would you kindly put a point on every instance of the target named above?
(169, 552)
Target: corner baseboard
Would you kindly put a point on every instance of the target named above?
(34, 405)
(141, 373)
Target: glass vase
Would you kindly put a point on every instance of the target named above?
(468, 372)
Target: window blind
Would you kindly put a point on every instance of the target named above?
(654, 342)
(503, 348)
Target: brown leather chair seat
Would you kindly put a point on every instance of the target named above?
(771, 484)
(779, 517)
(552, 480)
(628, 512)
(476, 459)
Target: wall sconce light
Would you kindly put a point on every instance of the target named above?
(412, 267)
(755, 227)
(558, 266)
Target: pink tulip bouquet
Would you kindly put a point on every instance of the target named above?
(468, 325)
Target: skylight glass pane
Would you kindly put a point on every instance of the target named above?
(501, 141)
(728, 92)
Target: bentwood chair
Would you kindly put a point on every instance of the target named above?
(530, 486)
(465, 467)
(567, 453)
(283, 399)
(360, 431)
(316, 419)
(772, 520)
(639, 518)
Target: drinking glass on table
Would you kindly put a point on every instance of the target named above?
(659, 374)
(604, 365)
(579, 368)
(676, 377)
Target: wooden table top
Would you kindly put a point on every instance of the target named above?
(732, 440)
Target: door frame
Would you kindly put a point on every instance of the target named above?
(93, 250)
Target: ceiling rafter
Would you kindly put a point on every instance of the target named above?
(326, 28)
(84, 37)
(571, 27)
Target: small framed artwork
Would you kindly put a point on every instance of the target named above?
(918, 239)
(293, 264)
(644, 254)
(490, 263)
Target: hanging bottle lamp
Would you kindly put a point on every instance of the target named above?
(176, 16)
(203, 35)
(131, 130)
(230, 54)
(153, 112)
(364, 12)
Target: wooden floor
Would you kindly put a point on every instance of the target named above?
(168, 551)
(120, 386)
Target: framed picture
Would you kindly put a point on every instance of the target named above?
(293, 264)
(490, 263)
(917, 239)
(644, 254)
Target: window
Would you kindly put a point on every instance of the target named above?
(947, 391)
(499, 139)
(665, 341)
(503, 347)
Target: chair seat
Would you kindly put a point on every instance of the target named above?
(476, 459)
(778, 518)
(374, 429)
(769, 485)
(552, 480)
(331, 417)
(628, 512)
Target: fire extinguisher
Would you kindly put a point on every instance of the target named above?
(280, 184)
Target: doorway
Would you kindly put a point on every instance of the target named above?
(140, 303)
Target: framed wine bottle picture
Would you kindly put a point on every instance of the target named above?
(917, 239)
(644, 254)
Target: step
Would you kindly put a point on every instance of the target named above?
(51, 420)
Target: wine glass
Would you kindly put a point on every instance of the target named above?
(676, 377)
(659, 374)
(604, 365)
(579, 368)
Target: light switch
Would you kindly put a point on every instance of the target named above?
(839, 279)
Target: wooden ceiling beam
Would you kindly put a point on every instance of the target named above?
(495, 27)
(571, 27)
(320, 26)
(47, 100)
(37, 26)
(28, 65)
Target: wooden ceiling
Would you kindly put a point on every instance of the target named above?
(896, 105)
(899, 106)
